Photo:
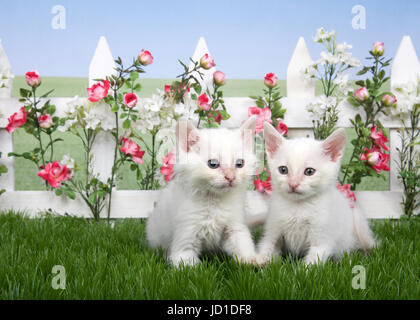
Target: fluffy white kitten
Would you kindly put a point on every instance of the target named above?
(308, 216)
(202, 207)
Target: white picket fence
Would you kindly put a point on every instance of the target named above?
(134, 203)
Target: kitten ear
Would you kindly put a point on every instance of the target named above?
(247, 130)
(273, 139)
(334, 145)
(187, 134)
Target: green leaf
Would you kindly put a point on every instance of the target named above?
(126, 124)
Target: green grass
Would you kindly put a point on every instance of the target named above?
(116, 263)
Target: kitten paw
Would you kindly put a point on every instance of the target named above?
(182, 261)
(262, 260)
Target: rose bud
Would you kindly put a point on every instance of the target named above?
(361, 94)
(388, 100)
(378, 48)
(32, 78)
(203, 102)
(98, 91)
(45, 121)
(130, 99)
(207, 62)
(219, 78)
(270, 80)
(145, 57)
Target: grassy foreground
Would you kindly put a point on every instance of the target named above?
(115, 263)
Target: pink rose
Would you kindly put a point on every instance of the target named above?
(379, 138)
(263, 115)
(270, 80)
(133, 149)
(263, 186)
(98, 91)
(32, 78)
(45, 121)
(207, 62)
(145, 57)
(130, 99)
(55, 173)
(167, 88)
(219, 78)
(16, 120)
(378, 48)
(203, 102)
(218, 118)
(168, 162)
(388, 100)
(361, 94)
(346, 190)
(375, 158)
(282, 127)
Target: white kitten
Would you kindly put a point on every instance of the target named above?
(308, 216)
(202, 208)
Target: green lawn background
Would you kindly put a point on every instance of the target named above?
(25, 171)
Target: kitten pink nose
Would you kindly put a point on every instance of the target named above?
(293, 186)
(229, 176)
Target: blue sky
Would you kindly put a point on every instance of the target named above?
(247, 38)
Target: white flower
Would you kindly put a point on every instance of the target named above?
(67, 125)
(341, 47)
(330, 58)
(99, 113)
(322, 35)
(407, 96)
(320, 105)
(342, 82)
(68, 162)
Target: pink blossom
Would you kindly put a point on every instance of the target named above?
(378, 48)
(98, 91)
(203, 102)
(207, 62)
(346, 190)
(167, 88)
(130, 99)
(263, 186)
(270, 80)
(55, 173)
(263, 115)
(388, 100)
(361, 94)
(16, 120)
(133, 149)
(375, 158)
(379, 138)
(145, 57)
(282, 127)
(219, 78)
(218, 118)
(168, 162)
(32, 78)
(45, 121)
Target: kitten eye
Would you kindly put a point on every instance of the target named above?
(240, 163)
(213, 163)
(309, 171)
(283, 170)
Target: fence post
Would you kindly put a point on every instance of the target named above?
(200, 50)
(7, 180)
(102, 65)
(296, 86)
(405, 69)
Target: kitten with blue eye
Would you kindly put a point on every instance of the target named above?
(202, 208)
(308, 216)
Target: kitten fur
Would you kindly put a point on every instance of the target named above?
(308, 216)
(202, 209)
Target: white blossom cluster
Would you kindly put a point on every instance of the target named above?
(320, 105)
(408, 95)
(160, 112)
(90, 115)
(333, 62)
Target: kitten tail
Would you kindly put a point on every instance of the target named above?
(364, 235)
